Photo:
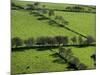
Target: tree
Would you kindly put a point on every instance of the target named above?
(40, 41)
(61, 20)
(65, 22)
(74, 61)
(51, 41)
(51, 12)
(29, 42)
(80, 40)
(68, 54)
(61, 51)
(82, 66)
(29, 7)
(36, 4)
(46, 41)
(93, 56)
(16, 41)
(89, 40)
(62, 40)
(74, 40)
(77, 8)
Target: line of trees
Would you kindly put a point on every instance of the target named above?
(51, 41)
(15, 6)
(74, 62)
(79, 8)
(42, 10)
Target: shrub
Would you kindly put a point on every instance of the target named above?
(82, 66)
(80, 40)
(74, 40)
(93, 56)
(46, 41)
(51, 13)
(61, 51)
(16, 41)
(89, 40)
(74, 61)
(62, 40)
(29, 42)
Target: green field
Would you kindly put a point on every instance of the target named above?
(42, 61)
(25, 26)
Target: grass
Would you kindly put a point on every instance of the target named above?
(25, 25)
(80, 22)
(42, 61)
(39, 61)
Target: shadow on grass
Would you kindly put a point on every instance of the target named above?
(43, 48)
(57, 24)
(38, 48)
(57, 59)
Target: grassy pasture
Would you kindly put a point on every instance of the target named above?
(25, 25)
(80, 22)
(59, 6)
(83, 23)
(43, 61)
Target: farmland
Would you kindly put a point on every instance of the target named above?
(35, 60)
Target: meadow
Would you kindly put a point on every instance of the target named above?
(34, 60)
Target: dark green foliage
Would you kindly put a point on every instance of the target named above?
(74, 40)
(36, 3)
(29, 42)
(82, 66)
(80, 40)
(15, 7)
(16, 41)
(76, 8)
(89, 40)
(29, 7)
(46, 41)
(93, 57)
(61, 20)
(62, 40)
(74, 61)
(62, 51)
(51, 12)
(68, 53)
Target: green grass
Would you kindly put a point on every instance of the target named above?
(85, 23)
(84, 55)
(25, 25)
(42, 61)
